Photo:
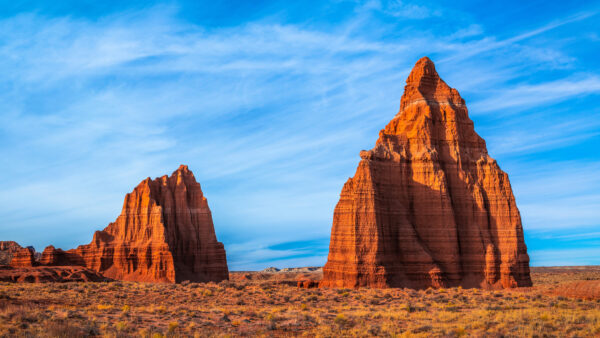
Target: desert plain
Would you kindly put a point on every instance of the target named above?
(563, 302)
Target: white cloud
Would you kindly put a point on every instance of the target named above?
(537, 133)
(525, 96)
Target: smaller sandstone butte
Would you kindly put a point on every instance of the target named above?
(7, 250)
(428, 206)
(165, 233)
(24, 257)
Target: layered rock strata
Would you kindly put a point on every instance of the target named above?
(427, 207)
(24, 257)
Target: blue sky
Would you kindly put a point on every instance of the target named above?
(270, 102)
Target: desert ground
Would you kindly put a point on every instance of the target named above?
(564, 302)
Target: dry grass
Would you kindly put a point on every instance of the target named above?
(265, 307)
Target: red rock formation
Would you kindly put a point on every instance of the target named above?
(427, 207)
(54, 257)
(7, 250)
(307, 283)
(165, 233)
(25, 257)
(41, 274)
(9, 246)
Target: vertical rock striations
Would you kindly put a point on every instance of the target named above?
(165, 233)
(427, 207)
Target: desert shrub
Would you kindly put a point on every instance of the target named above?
(144, 333)
(407, 307)
(460, 331)
(193, 285)
(121, 326)
(422, 329)
(62, 329)
(340, 319)
(173, 326)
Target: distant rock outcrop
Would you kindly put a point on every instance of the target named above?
(24, 257)
(427, 207)
(307, 283)
(165, 233)
(271, 269)
(7, 250)
(9, 246)
(54, 257)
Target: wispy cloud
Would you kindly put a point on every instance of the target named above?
(524, 96)
(534, 133)
(491, 43)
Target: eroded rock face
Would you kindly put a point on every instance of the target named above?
(7, 250)
(24, 257)
(43, 274)
(54, 257)
(9, 246)
(165, 233)
(427, 207)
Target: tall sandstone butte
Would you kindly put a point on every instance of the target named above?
(165, 233)
(427, 207)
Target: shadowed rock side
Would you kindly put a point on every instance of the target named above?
(165, 233)
(427, 207)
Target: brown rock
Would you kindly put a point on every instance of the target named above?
(41, 274)
(7, 250)
(307, 284)
(25, 257)
(54, 257)
(165, 233)
(427, 207)
(9, 246)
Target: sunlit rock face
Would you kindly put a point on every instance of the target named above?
(165, 233)
(427, 207)
(22, 258)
